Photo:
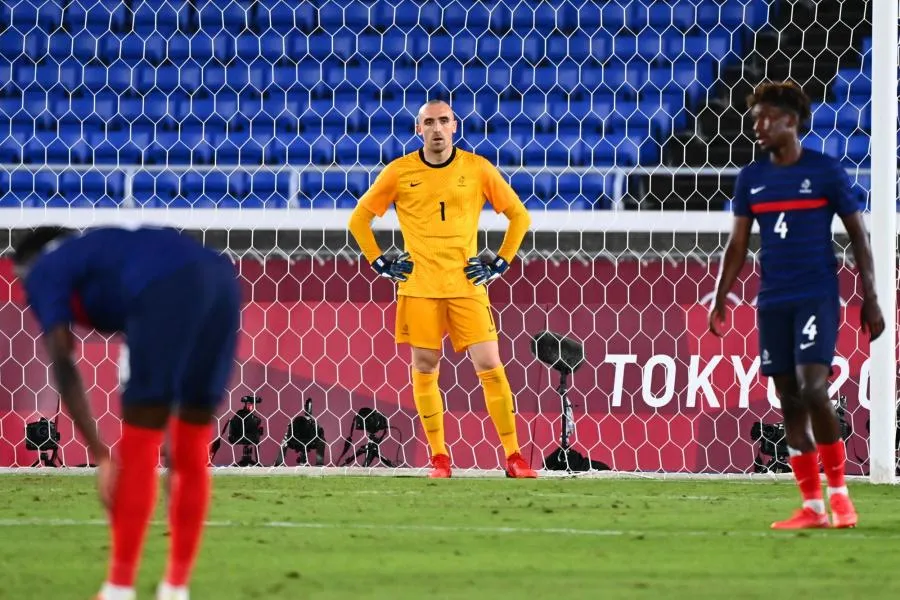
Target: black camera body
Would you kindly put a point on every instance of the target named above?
(773, 441)
(371, 421)
(771, 438)
(41, 435)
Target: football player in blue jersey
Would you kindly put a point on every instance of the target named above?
(793, 193)
(178, 305)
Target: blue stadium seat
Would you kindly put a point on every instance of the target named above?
(852, 85)
(284, 16)
(267, 190)
(121, 147)
(204, 190)
(857, 149)
(96, 16)
(7, 199)
(156, 189)
(852, 117)
(12, 146)
(31, 189)
(90, 189)
(831, 143)
(163, 18)
(231, 16)
(12, 43)
(660, 15)
(29, 14)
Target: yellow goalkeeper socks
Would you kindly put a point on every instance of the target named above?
(499, 400)
(430, 406)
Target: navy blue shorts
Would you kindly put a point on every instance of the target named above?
(798, 334)
(182, 335)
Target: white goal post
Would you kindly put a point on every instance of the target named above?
(882, 446)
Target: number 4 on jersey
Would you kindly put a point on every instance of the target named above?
(781, 227)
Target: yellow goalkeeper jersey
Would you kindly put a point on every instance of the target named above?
(438, 207)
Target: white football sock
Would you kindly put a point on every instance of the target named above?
(816, 505)
(170, 592)
(838, 490)
(116, 592)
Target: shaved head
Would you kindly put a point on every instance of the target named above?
(432, 104)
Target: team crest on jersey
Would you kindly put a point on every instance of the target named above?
(805, 186)
(461, 182)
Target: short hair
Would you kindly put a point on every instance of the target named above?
(785, 95)
(33, 242)
(432, 102)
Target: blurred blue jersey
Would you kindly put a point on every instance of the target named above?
(93, 278)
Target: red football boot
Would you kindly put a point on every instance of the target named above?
(805, 518)
(440, 467)
(843, 513)
(517, 468)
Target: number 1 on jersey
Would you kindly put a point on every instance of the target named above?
(443, 216)
(781, 226)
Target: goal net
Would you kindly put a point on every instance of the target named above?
(257, 125)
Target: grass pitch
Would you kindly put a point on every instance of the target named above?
(378, 537)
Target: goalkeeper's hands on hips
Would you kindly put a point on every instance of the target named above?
(397, 269)
(482, 273)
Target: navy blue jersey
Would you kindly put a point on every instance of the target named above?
(92, 278)
(795, 206)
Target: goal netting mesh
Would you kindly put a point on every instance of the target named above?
(256, 125)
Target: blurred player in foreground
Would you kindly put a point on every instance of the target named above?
(178, 305)
(794, 193)
(439, 193)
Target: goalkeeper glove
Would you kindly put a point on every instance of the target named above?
(397, 269)
(482, 273)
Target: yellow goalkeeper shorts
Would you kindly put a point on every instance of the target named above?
(423, 322)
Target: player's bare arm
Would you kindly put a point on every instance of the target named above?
(60, 343)
(870, 315)
(732, 262)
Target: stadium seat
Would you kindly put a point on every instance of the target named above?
(165, 19)
(96, 16)
(156, 189)
(858, 149)
(272, 82)
(852, 85)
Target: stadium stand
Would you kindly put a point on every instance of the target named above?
(236, 86)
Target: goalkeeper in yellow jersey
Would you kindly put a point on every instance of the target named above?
(439, 193)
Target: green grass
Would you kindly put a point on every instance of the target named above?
(363, 538)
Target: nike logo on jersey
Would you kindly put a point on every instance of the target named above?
(414, 184)
(807, 345)
(757, 190)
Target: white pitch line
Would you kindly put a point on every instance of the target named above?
(854, 534)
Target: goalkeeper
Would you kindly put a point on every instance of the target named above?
(439, 192)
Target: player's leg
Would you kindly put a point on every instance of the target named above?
(134, 491)
(471, 325)
(430, 406)
(202, 387)
(421, 324)
(776, 339)
(154, 330)
(804, 458)
(817, 326)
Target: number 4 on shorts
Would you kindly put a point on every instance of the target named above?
(809, 330)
